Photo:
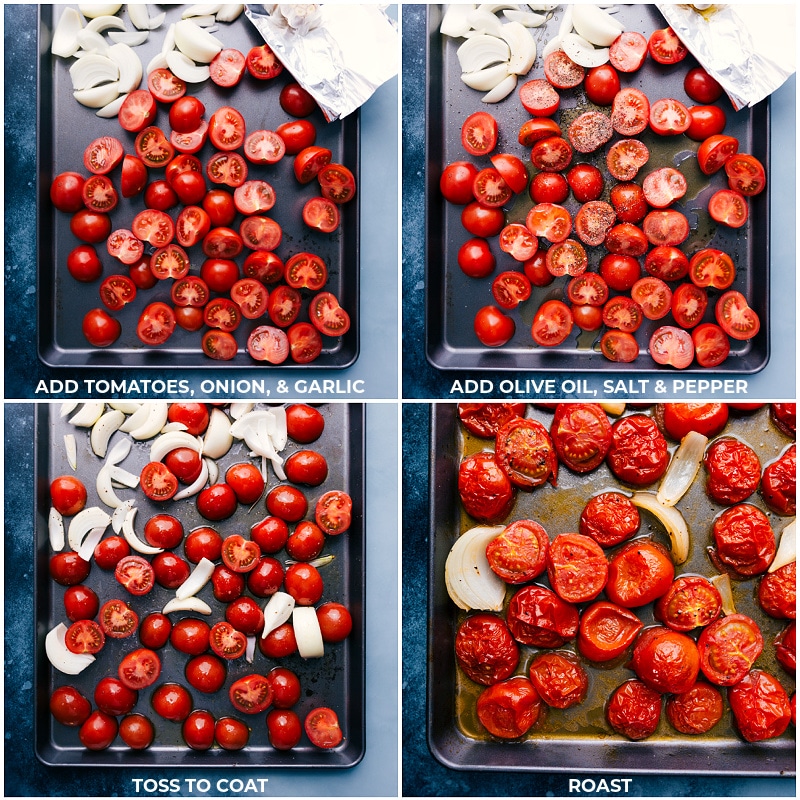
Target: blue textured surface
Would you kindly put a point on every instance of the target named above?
(421, 380)
(422, 774)
(376, 775)
(377, 364)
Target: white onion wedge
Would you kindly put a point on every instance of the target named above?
(67, 408)
(170, 427)
(105, 22)
(119, 452)
(71, 449)
(196, 43)
(469, 578)
(521, 45)
(237, 410)
(90, 542)
(111, 110)
(130, 38)
(125, 406)
(118, 517)
(98, 96)
(682, 469)
(481, 20)
(213, 470)
(130, 66)
(484, 80)
(307, 632)
(83, 522)
(565, 26)
(217, 439)
(229, 12)
(529, 19)
(583, 52)
(198, 578)
(187, 604)
(479, 52)
(553, 45)
(195, 487)
(158, 61)
(55, 529)
(201, 10)
(102, 430)
(65, 41)
(277, 611)
(122, 477)
(454, 22)
(87, 416)
(136, 418)
(787, 548)
(173, 440)
(139, 16)
(94, 10)
(158, 20)
(501, 91)
(63, 659)
(92, 44)
(722, 583)
(156, 417)
(132, 539)
(595, 25)
(105, 488)
(671, 519)
(280, 436)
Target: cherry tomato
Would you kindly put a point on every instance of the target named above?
(746, 174)
(246, 482)
(80, 602)
(664, 186)
(602, 84)
(728, 208)
(630, 112)
(157, 482)
(706, 418)
(552, 323)
(634, 710)
(185, 114)
(226, 641)
(190, 636)
(492, 327)
(201, 543)
(779, 483)
(227, 584)
(113, 697)
(485, 419)
(198, 730)
(640, 572)
(519, 553)
(609, 518)
(691, 602)
(156, 324)
(227, 67)
(172, 702)
(245, 615)
(136, 574)
(305, 342)
(226, 129)
(576, 567)
(701, 86)
(539, 98)
(240, 554)
(562, 71)
(155, 630)
(66, 192)
(715, 151)
(565, 258)
(140, 668)
(481, 221)
(760, 706)
(160, 196)
(250, 694)
(267, 343)
(306, 542)
(479, 133)
(98, 731)
(231, 733)
(622, 313)
(226, 168)
(67, 494)
(734, 470)
(590, 131)
(537, 616)
(68, 569)
(735, 316)
(306, 467)
(83, 264)
(728, 648)
(509, 709)
(671, 345)
(669, 117)
(304, 583)
(100, 195)
(456, 182)
(484, 488)
(526, 453)
(90, 226)
(559, 679)
(322, 728)
(103, 154)
(586, 182)
(284, 728)
(606, 631)
(69, 707)
(266, 578)
(549, 220)
(628, 51)
(619, 346)
(217, 502)
(287, 502)
(553, 154)
(170, 570)
(628, 202)
(117, 619)
(549, 187)
(581, 434)
(744, 539)
(153, 147)
(297, 135)
(705, 121)
(279, 643)
(665, 47)
(85, 636)
(304, 423)
(695, 711)
(206, 673)
(335, 622)
(262, 63)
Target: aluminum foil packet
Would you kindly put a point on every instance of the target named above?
(749, 49)
(340, 53)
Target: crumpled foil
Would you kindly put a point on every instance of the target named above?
(749, 49)
(339, 53)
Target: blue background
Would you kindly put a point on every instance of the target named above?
(421, 380)
(376, 775)
(378, 186)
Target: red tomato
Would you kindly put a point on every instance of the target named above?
(746, 174)
(609, 518)
(566, 258)
(485, 419)
(639, 573)
(484, 488)
(664, 186)
(734, 470)
(113, 697)
(226, 641)
(337, 183)
(728, 208)
(102, 155)
(90, 226)
(518, 241)
(281, 642)
(539, 98)
(263, 147)
(666, 660)
(155, 630)
(328, 316)
(744, 539)
(98, 731)
(157, 482)
(638, 453)
(735, 316)
(135, 574)
(576, 567)
(160, 196)
(760, 706)
(695, 711)
(117, 291)
(630, 112)
(593, 222)
(220, 207)
(227, 584)
(625, 158)
(310, 161)
(634, 710)
(587, 318)
(456, 182)
(69, 707)
(705, 121)
(622, 313)
(671, 345)
(587, 289)
(711, 344)
(203, 543)
(66, 192)
(728, 648)
(285, 684)
(481, 221)
(230, 733)
(134, 176)
(170, 570)
(306, 542)
(653, 296)
(83, 264)
(250, 694)
(689, 303)
(284, 306)
(628, 202)
(140, 668)
(539, 617)
(172, 702)
(284, 729)
(195, 416)
(620, 272)
(519, 553)
(333, 512)
(67, 494)
(562, 71)
(628, 51)
(552, 154)
(297, 135)
(536, 270)
(270, 344)
(185, 114)
(296, 101)
(509, 289)
(206, 673)
(117, 619)
(549, 187)
(153, 147)
(538, 128)
(223, 314)
(590, 131)
(321, 214)
(165, 86)
(778, 483)
(264, 266)
(712, 267)
(786, 648)
(715, 151)
(306, 467)
(265, 579)
(190, 186)
(198, 730)
(667, 263)
(227, 67)
(691, 602)
(322, 728)
(246, 482)
(85, 636)
(226, 129)
(701, 87)
(549, 220)
(559, 679)
(585, 180)
(190, 636)
(192, 141)
(262, 63)
(154, 227)
(251, 296)
(509, 709)
(256, 232)
(512, 170)
(226, 168)
(619, 346)
(665, 47)
(306, 271)
(240, 554)
(552, 323)
(490, 189)
(581, 434)
(217, 502)
(606, 631)
(190, 292)
(525, 452)
(304, 583)
(669, 117)
(706, 418)
(80, 602)
(100, 195)
(602, 84)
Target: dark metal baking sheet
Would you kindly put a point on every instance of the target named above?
(578, 739)
(335, 680)
(65, 128)
(453, 299)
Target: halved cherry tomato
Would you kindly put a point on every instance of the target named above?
(566, 258)
(509, 289)
(669, 117)
(264, 147)
(638, 455)
(553, 154)
(484, 488)
(192, 141)
(226, 641)
(539, 98)
(137, 111)
(156, 324)
(322, 728)
(626, 240)
(190, 291)
(485, 419)
(619, 346)
(593, 222)
(490, 189)
(630, 112)
(609, 518)
(134, 176)
(126, 247)
(219, 345)
(227, 67)
(746, 174)
(135, 573)
(227, 168)
(509, 709)
(673, 346)
(260, 233)
(667, 263)
(263, 266)
(664, 186)
(549, 220)
(668, 227)
(305, 342)
(262, 63)
(103, 154)
(623, 314)
(306, 271)
(691, 602)
(270, 344)
(251, 296)
(153, 147)
(606, 631)
(538, 128)
(735, 316)
(537, 616)
(562, 71)
(712, 267)
(689, 303)
(140, 669)
(653, 296)
(512, 170)
(154, 227)
(328, 316)
(711, 345)
(587, 289)
(715, 151)
(519, 553)
(99, 194)
(321, 214)
(171, 261)
(85, 636)
(337, 183)
(581, 434)
(526, 453)
(576, 567)
(252, 197)
(309, 161)
(728, 648)
(117, 291)
(590, 131)
(284, 306)
(222, 314)
(628, 51)
(157, 482)
(117, 619)
(728, 208)
(165, 86)
(552, 323)
(479, 133)
(223, 243)
(518, 242)
(665, 47)
(227, 129)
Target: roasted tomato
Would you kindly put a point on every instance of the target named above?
(519, 553)
(607, 631)
(744, 540)
(665, 660)
(680, 418)
(609, 518)
(691, 602)
(485, 419)
(779, 483)
(558, 677)
(697, 710)
(734, 471)
(634, 710)
(638, 453)
(777, 592)
(760, 706)
(485, 649)
(784, 415)
(576, 567)
(526, 454)
(538, 616)
(786, 648)
(728, 648)
(581, 434)
(639, 573)
(509, 709)
(484, 487)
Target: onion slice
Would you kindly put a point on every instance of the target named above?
(87, 416)
(84, 521)
(55, 529)
(722, 583)
(194, 488)
(682, 468)
(90, 542)
(787, 549)
(455, 21)
(307, 632)
(168, 442)
(133, 540)
(218, 438)
(671, 519)
(105, 427)
(187, 604)
(276, 612)
(63, 659)
(469, 578)
(118, 517)
(65, 36)
(199, 577)
(72, 450)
